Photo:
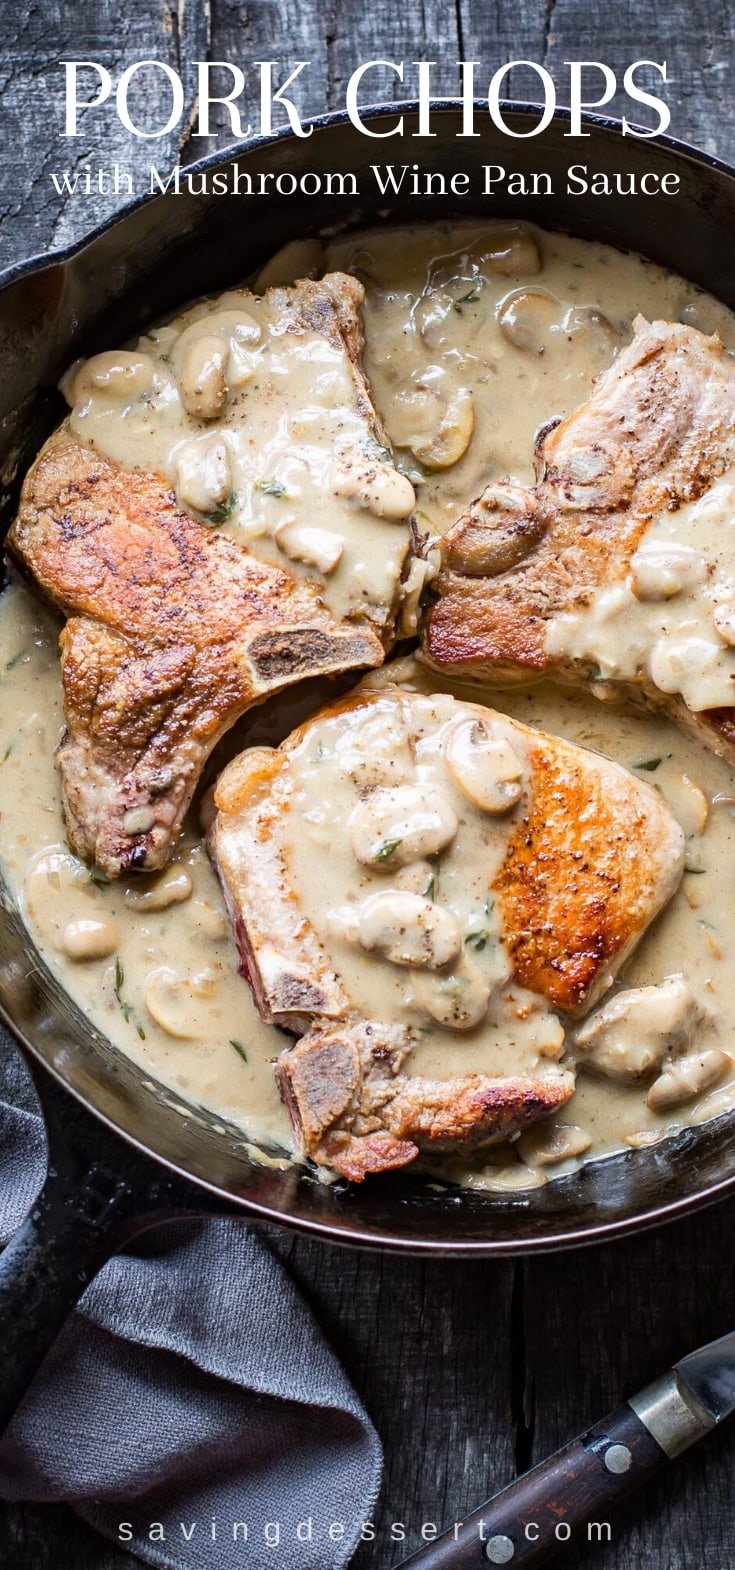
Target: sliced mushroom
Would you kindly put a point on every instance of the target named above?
(420, 573)
(597, 327)
(176, 1002)
(171, 887)
(661, 569)
(692, 663)
(376, 752)
(452, 435)
(367, 481)
(527, 317)
(684, 1079)
(512, 251)
(203, 473)
(688, 802)
(295, 259)
(433, 417)
(547, 1143)
(408, 930)
(458, 999)
(503, 525)
(395, 826)
(202, 383)
(506, 1179)
(483, 764)
(318, 548)
(120, 374)
(58, 892)
(91, 938)
(628, 1038)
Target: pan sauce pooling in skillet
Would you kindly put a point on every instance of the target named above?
(474, 338)
(156, 956)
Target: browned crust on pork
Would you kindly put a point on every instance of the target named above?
(356, 1112)
(577, 885)
(657, 431)
(173, 631)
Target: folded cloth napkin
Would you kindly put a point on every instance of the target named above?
(190, 1408)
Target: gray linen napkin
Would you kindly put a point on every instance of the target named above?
(190, 1409)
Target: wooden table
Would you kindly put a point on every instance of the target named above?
(470, 1371)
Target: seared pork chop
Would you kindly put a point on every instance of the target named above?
(618, 566)
(422, 887)
(177, 624)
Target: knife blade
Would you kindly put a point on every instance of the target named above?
(708, 1375)
(532, 1519)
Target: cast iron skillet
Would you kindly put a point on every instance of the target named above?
(157, 256)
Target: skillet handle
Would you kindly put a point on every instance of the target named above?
(45, 1267)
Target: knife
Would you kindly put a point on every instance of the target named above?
(533, 1519)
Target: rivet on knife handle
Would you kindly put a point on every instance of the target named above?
(567, 1499)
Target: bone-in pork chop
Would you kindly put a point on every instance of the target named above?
(618, 566)
(188, 600)
(428, 891)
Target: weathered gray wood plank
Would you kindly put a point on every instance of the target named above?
(33, 219)
(430, 1348)
(696, 41)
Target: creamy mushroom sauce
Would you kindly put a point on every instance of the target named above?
(476, 334)
(159, 979)
(402, 897)
(672, 616)
(261, 426)
(489, 331)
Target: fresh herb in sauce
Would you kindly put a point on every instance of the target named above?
(479, 937)
(470, 298)
(415, 472)
(651, 764)
(223, 512)
(387, 849)
(125, 1007)
(239, 1048)
(270, 487)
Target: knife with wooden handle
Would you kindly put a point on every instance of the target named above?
(532, 1519)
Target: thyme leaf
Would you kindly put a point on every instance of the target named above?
(270, 487)
(240, 1050)
(223, 512)
(124, 1006)
(479, 937)
(650, 764)
(415, 472)
(470, 298)
(386, 849)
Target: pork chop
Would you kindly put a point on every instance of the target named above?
(180, 618)
(427, 891)
(618, 565)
